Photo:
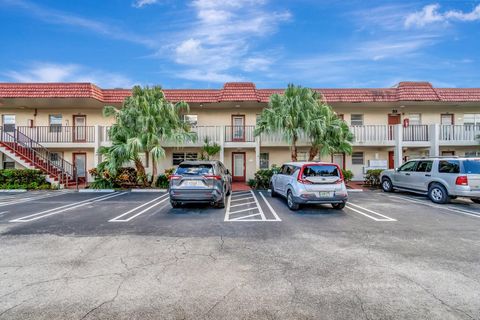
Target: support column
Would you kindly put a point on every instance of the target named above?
(222, 144)
(257, 153)
(434, 137)
(398, 153)
(97, 142)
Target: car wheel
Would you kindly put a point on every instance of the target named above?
(272, 191)
(338, 206)
(387, 185)
(475, 200)
(229, 192)
(175, 204)
(437, 193)
(221, 204)
(292, 205)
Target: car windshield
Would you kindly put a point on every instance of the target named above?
(194, 169)
(321, 171)
(471, 166)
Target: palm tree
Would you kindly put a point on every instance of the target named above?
(145, 121)
(288, 114)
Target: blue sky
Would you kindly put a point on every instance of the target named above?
(204, 43)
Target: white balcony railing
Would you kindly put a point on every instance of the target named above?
(468, 132)
(417, 132)
(372, 133)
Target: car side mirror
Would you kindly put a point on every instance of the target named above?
(397, 169)
(228, 172)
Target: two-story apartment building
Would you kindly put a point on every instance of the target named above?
(64, 122)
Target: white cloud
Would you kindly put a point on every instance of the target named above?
(142, 3)
(208, 76)
(53, 72)
(222, 37)
(430, 14)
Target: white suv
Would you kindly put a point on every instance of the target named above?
(310, 182)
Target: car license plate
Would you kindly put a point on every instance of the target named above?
(324, 194)
(194, 183)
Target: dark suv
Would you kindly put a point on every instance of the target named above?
(200, 181)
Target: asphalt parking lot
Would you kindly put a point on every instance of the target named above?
(127, 255)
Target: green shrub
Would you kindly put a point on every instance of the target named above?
(162, 181)
(23, 179)
(347, 175)
(262, 178)
(372, 177)
(251, 183)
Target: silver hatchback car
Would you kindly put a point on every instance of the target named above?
(200, 181)
(310, 183)
(441, 178)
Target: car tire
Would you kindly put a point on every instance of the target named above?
(175, 204)
(438, 194)
(338, 206)
(387, 185)
(272, 191)
(292, 205)
(229, 192)
(221, 204)
(475, 200)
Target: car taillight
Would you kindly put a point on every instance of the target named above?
(213, 177)
(303, 181)
(339, 181)
(462, 181)
(174, 177)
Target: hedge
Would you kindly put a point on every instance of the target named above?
(23, 179)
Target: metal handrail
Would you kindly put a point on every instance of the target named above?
(34, 151)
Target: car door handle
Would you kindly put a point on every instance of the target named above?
(407, 174)
(428, 175)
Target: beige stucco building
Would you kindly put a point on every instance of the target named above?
(390, 125)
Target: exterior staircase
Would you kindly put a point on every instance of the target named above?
(33, 155)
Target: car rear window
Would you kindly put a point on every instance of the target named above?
(194, 169)
(471, 166)
(321, 171)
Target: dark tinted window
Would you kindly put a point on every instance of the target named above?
(471, 166)
(320, 171)
(424, 166)
(449, 166)
(194, 169)
(409, 166)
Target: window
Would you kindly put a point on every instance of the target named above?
(54, 156)
(191, 119)
(55, 121)
(424, 166)
(8, 163)
(357, 158)
(409, 166)
(472, 154)
(264, 160)
(471, 119)
(471, 166)
(449, 166)
(8, 122)
(194, 169)
(320, 171)
(415, 118)
(356, 120)
(179, 157)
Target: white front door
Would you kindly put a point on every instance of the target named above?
(238, 173)
(79, 128)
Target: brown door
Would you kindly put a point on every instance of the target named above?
(238, 128)
(238, 166)
(79, 128)
(393, 119)
(448, 153)
(446, 119)
(391, 160)
(80, 161)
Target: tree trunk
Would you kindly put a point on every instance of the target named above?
(141, 171)
(154, 173)
(294, 148)
(312, 153)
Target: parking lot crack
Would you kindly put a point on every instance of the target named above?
(105, 302)
(220, 301)
(362, 306)
(433, 295)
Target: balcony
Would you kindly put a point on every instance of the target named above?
(459, 134)
(59, 134)
(239, 134)
(416, 133)
(373, 135)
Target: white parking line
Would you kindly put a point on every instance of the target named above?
(251, 211)
(358, 209)
(444, 207)
(119, 218)
(49, 212)
(16, 200)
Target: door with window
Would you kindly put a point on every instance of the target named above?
(421, 177)
(80, 161)
(446, 119)
(238, 128)
(8, 121)
(238, 166)
(339, 158)
(79, 128)
(403, 176)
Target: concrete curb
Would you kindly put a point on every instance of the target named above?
(147, 190)
(12, 190)
(95, 190)
(354, 190)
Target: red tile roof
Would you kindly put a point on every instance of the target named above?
(242, 91)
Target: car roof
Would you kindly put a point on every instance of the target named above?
(200, 162)
(444, 158)
(302, 163)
